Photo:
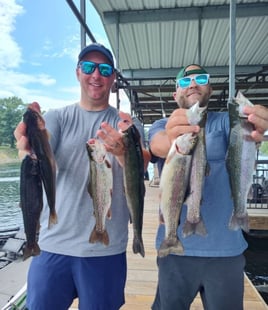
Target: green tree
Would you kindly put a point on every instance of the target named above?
(264, 148)
(11, 111)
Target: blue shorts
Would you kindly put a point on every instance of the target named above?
(54, 281)
(219, 280)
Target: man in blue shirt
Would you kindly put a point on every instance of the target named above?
(212, 265)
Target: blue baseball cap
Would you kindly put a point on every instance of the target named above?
(97, 47)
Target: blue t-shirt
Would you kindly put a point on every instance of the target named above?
(217, 206)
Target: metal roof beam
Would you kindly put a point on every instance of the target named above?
(164, 73)
(186, 13)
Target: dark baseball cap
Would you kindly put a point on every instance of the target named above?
(96, 47)
(184, 72)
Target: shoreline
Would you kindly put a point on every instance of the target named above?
(8, 156)
(9, 161)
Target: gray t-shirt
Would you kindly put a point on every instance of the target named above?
(70, 128)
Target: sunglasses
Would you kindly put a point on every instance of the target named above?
(200, 79)
(88, 67)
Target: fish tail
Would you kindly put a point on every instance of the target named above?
(194, 228)
(31, 250)
(138, 246)
(241, 221)
(53, 218)
(99, 236)
(169, 246)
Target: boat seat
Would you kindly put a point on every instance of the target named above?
(2, 254)
(13, 245)
(20, 235)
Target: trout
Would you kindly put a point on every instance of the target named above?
(133, 174)
(173, 186)
(100, 187)
(199, 169)
(39, 143)
(240, 160)
(31, 203)
(174, 183)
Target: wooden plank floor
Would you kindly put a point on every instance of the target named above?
(142, 272)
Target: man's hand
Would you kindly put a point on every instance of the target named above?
(22, 141)
(258, 116)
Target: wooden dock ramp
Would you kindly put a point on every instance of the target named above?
(142, 272)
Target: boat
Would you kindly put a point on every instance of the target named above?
(17, 302)
(257, 239)
(12, 242)
(13, 271)
(7, 233)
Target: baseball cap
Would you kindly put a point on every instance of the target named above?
(184, 72)
(97, 47)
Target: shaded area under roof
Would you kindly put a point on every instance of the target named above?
(153, 39)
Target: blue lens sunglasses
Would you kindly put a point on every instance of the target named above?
(88, 67)
(200, 79)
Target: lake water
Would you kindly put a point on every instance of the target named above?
(10, 213)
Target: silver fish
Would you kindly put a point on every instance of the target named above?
(240, 160)
(133, 172)
(199, 169)
(173, 185)
(100, 189)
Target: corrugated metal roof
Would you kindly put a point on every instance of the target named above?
(152, 39)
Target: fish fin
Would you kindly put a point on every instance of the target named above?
(241, 221)
(169, 246)
(161, 218)
(53, 219)
(99, 236)
(107, 163)
(170, 155)
(130, 219)
(109, 214)
(194, 228)
(138, 246)
(207, 171)
(31, 251)
(89, 189)
(38, 226)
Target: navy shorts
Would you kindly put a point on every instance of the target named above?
(54, 281)
(219, 280)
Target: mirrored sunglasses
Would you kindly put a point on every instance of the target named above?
(200, 79)
(88, 67)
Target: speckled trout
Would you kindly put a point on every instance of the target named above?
(133, 172)
(199, 169)
(174, 183)
(100, 187)
(240, 161)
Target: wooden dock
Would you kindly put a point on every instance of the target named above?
(142, 272)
